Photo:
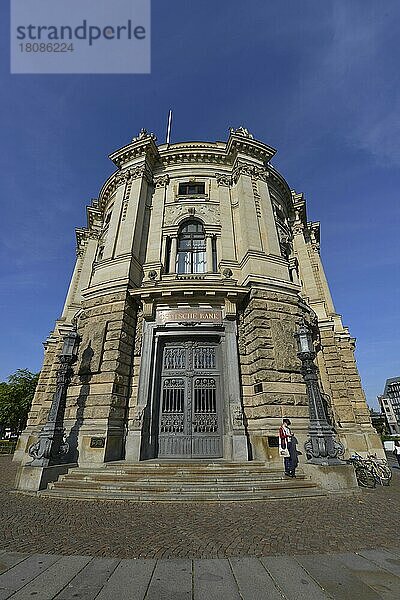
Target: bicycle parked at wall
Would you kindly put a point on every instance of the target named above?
(370, 470)
(380, 468)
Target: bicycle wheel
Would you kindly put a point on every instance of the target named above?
(382, 474)
(365, 478)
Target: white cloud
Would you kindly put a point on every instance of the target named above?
(351, 82)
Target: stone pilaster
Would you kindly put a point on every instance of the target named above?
(97, 400)
(42, 399)
(272, 384)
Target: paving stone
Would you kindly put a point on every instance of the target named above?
(214, 580)
(253, 580)
(9, 559)
(171, 579)
(384, 583)
(129, 581)
(292, 579)
(88, 583)
(26, 570)
(383, 558)
(52, 581)
(336, 579)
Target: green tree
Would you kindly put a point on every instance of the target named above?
(16, 397)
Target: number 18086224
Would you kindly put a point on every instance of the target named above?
(46, 47)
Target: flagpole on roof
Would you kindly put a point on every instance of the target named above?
(168, 138)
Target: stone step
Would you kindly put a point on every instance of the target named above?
(209, 496)
(181, 481)
(184, 468)
(165, 477)
(181, 470)
(179, 486)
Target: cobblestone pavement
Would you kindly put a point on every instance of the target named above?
(123, 529)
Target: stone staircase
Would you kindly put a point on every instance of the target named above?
(182, 482)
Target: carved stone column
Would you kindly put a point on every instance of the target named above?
(173, 254)
(233, 389)
(209, 254)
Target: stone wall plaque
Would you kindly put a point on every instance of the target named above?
(189, 315)
(97, 442)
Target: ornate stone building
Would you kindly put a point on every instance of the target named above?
(197, 265)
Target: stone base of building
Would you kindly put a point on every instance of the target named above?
(334, 479)
(33, 479)
(25, 440)
(362, 441)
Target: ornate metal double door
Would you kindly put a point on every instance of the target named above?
(190, 423)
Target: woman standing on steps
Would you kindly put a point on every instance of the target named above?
(287, 448)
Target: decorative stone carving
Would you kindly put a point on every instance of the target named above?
(284, 345)
(230, 309)
(223, 179)
(227, 273)
(92, 347)
(144, 135)
(81, 248)
(161, 181)
(237, 417)
(285, 245)
(241, 131)
(314, 236)
(120, 177)
(148, 310)
(251, 171)
(138, 418)
(153, 275)
(257, 197)
(298, 228)
(139, 333)
(83, 234)
(209, 213)
(139, 171)
(93, 234)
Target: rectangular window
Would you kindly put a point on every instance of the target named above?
(192, 189)
(167, 254)
(214, 254)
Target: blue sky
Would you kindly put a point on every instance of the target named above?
(319, 81)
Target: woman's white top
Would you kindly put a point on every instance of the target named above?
(287, 432)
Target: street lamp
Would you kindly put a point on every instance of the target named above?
(50, 447)
(321, 448)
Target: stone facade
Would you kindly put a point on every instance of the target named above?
(257, 276)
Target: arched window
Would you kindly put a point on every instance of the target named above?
(191, 255)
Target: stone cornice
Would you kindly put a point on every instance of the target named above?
(275, 178)
(194, 152)
(190, 288)
(120, 177)
(94, 215)
(141, 146)
(230, 156)
(83, 234)
(241, 141)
